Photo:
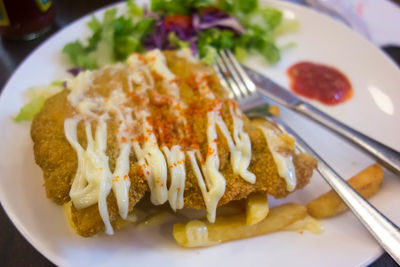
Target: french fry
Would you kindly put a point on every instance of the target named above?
(256, 208)
(155, 219)
(226, 228)
(68, 214)
(307, 223)
(367, 183)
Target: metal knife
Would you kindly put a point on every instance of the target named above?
(272, 91)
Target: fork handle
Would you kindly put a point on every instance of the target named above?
(385, 155)
(385, 232)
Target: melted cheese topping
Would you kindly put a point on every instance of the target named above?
(163, 167)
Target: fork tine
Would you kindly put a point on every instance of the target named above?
(234, 77)
(225, 75)
(222, 80)
(241, 73)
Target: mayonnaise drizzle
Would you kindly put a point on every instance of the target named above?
(121, 181)
(203, 86)
(93, 179)
(163, 168)
(241, 155)
(187, 54)
(215, 181)
(139, 73)
(152, 162)
(240, 146)
(157, 63)
(176, 163)
(175, 157)
(79, 86)
(283, 161)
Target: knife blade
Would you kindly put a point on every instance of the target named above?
(272, 90)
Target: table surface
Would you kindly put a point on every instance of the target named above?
(14, 249)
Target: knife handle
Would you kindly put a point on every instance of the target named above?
(385, 155)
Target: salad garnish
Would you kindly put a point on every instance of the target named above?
(202, 25)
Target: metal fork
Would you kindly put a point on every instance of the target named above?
(244, 90)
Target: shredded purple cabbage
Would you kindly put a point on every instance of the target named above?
(212, 14)
(229, 23)
(75, 71)
(203, 20)
(216, 18)
(159, 38)
(183, 34)
(193, 46)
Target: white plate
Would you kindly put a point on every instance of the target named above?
(344, 242)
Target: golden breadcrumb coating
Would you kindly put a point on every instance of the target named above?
(58, 159)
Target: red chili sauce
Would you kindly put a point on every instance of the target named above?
(320, 82)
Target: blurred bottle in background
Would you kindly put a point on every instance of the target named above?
(25, 19)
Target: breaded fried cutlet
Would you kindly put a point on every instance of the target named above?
(161, 108)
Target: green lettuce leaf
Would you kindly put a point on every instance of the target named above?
(245, 6)
(261, 24)
(217, 38)
(240, 53)
(213, 39)
(272, 17)
(103, 53)
(175, 41)
(287, 26)
(79, 56)
(270, 51)
(182, 7)
(134, 10)
(28, 111)
(36, 98)
(170, 7)
(113, 39)
(208, 54)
